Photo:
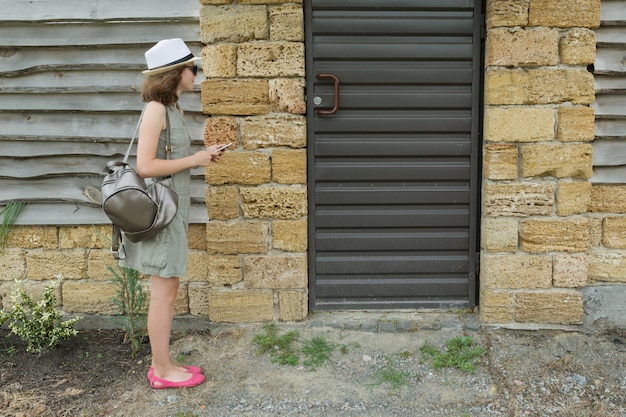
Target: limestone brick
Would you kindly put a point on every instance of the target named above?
(221, 129)
(270, 59)
(500, 161)
(538, 86)
(69, 264)
(557, 307)
(196, 237)
(233, 23)
(608, 198)
(224, 270)
(219, 61)
(576, 124)
(289, 166)
(241, 306)
(614, 235)
(222, 203)
(497, 306)
(276, 271)
(558, 235)
(293, 305)
(88, 298)
(34, 237)
(573, 198)
(522, 47)
(578, 47)
(232, 238)
(499, 234)
(564, 13)
(205, 2)
(197, 266)
(595, 231)
(290, 235)
(507, 13)
(557, 160)
(12, 264)
(267, 1)
(570, 271)
(274, 202)
(287, 23)
(518, 199)
(198, 295)
(515, 271)
(98, 263)
(270, 131)
(236, 167)
(607, 266)
(287, 95)
(181, 303)
(519, 124)
(235, 97)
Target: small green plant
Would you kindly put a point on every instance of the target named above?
(286, 349)
(460, 353)
(317, 352)
(131, 302)
(390, 374)
(281, 348)
(9, 216)
(186, 414)
(38, 323)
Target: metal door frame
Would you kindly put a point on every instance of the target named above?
(475, 160)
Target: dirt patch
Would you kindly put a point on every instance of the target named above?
(565, 374)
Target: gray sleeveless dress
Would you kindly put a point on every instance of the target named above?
(165, 255)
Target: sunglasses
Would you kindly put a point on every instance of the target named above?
(193, 69)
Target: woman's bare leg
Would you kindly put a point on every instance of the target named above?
(160, 316)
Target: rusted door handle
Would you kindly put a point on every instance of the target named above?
(336, 106)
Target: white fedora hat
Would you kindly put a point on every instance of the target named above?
(166, 55)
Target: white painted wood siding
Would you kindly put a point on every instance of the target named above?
(609, 148)
(70, 78)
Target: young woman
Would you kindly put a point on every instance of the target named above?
(171, 71)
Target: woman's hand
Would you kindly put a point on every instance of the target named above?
(209, 154)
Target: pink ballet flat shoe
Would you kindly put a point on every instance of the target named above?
(191, 369)
(160, 383)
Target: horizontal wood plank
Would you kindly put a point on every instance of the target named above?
(610, 60)
(72, 214)
(54, 10)
(85, 102)
(610, 105)
(609, 152)
(611, 35)
(610, 129)
(11, 148)
(93, 34)
(608, 175)
(93, 126)
(612, 11)
(71, 165)
(610, 84)
(71, 190)
(103, 59)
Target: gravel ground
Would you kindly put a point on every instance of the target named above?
(522, 373)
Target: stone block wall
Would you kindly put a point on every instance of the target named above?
(253, 96)
(249, 263)
(538, 239)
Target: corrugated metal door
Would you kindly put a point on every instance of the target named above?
(394, 97)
